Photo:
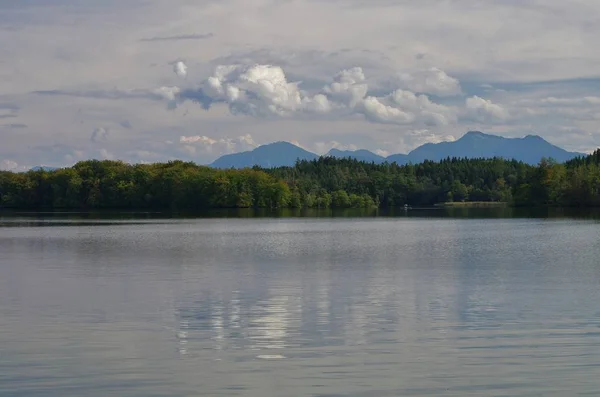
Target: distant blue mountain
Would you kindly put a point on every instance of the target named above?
(399, 159)
(278, 154)
(361, 155)
(43, 168)
(474, 144)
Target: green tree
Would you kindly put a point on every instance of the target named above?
(340, 199)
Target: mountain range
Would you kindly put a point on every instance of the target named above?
(43, 168)
(272, 155)
(474, 144)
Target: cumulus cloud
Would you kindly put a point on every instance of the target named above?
(426, 136)
(200, 144)
(562, 65)
(428, 112)
(180, 69)
(348, 87)
(484, 110)
(8, 165)
(99, 134)
(431, 81)
(376, 111)
(264, 91)
(169, 94)
(260, 90)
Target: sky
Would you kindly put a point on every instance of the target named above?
(155, 80)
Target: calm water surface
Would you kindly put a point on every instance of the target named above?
(300, 307)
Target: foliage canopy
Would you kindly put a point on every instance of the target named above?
(325, 182)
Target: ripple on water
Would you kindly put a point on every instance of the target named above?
(392, 307)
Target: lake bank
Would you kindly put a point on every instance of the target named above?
(483, 212)
(472, 204)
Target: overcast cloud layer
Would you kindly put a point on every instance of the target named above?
(152, 80)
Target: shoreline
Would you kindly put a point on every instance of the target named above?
(473, 204)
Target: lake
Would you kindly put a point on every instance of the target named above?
(424, 305)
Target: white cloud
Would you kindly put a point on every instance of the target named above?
(169, 94)
(203, 145)
(318, 104)
(427, 112)
(348, 87)
(8, 165)
(484, 110)
(259, 90)
(378, 112)
(381, 152)
(520, 48)
(180, 69)
(431, 81)
(434, 138)
(324, 147)
(264, 91)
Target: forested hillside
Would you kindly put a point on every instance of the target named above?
(116, 185)
(392, 185)
(325, 182)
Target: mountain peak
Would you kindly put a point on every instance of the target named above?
(534, 138)
(43, 168)
(279, 144)
(272, 155)
(479, 135)
(474, 144)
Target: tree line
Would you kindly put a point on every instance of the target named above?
(323, 183)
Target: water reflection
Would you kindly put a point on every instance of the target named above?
(423, 287)
(10, 218)
(351, 307)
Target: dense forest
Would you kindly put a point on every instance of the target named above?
(326, 182)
